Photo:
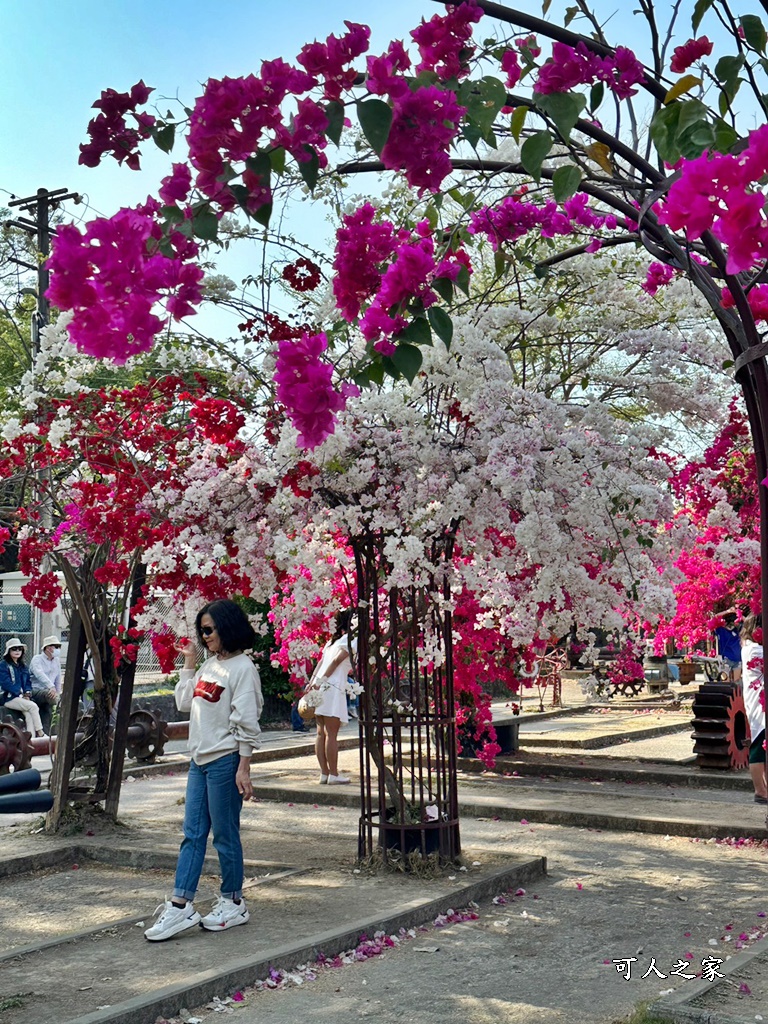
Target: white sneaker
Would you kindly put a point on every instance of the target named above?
(172, 920)
(225, 913)
(323, 779)
(338, 780)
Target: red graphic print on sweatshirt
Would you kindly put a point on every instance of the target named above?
(208, 691)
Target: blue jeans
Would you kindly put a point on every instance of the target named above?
(212, 802)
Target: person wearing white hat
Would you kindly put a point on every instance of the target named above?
(45, 676)
(15, 686)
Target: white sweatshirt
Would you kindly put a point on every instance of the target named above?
(224, 701)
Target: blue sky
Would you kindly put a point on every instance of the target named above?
(57, 55)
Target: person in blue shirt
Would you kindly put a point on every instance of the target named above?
(16, 688)
(729, 644)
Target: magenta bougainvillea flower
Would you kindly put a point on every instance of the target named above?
(424, 124)
(444, 41)
(305, 388)
(93, 271)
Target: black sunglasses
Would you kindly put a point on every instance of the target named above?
(207, 630)
(15, 648)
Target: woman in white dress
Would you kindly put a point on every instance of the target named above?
(330, 677)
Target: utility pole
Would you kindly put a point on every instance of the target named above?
(40, 206)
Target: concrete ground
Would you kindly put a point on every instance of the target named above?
(658, 865)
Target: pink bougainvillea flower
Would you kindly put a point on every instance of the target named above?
(304, 387)
(510, 65)
(685, 55)
(659, 274)
(424, 124)
(444, 41)
(175, 187)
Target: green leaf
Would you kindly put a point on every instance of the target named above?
(701, 8)
(334, 111)
(260, 165)
(694, 139)
(371, 374)
(172, 214)
(416, 331)
(726, 137)
(570, 14)
(727, 69)
(205, 224)
(444, 288)
(472, 134)
(483, 100)
(442, 324)
(727, 364)
(534, 151)
(517, 121)
(462, 279)
(407, 360)
(499, 263)
(387, 364)
(309, 169)
(164, 137)
(263, 214)
(565, 181)
(754, 32)
(277, 159)
(375, 117)
(596, 94)
(564, 108)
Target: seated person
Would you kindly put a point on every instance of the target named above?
(15, 687)
(45, 677)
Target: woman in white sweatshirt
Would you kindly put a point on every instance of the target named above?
(224, 700)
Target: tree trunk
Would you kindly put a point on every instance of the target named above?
(122, 722)
(68, 708)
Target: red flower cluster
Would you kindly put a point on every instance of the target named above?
(218, 419)
(303, 275)
(685, 55)
(166, 651)
(43, 591)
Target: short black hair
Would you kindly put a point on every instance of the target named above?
(342, 623)
(235, 631)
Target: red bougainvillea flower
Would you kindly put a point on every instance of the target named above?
(303, 275)
(685, 55)
(219, 419)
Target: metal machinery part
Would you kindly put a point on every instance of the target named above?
(15, 750)
(720, 727)
(147, 736)
(147, 742)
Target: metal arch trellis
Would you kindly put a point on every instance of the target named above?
(407, 716)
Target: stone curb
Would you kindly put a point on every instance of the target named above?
(484, 807)
(698, 778)
(206, 984)
(675, 1009)
(142, 771)
(604, 740)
